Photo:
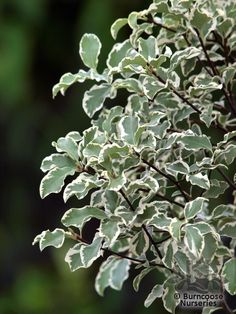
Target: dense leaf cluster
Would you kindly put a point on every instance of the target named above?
(151, 165)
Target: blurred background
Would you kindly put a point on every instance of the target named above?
(39, 41)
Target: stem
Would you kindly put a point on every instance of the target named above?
(215, 72)
(150, 19)
(169, 200)
(77, 237)
(227, 178)
(143, 226)
(189, 44)
(163, 240)
(165, 198)
(177, 93)
(152, 241)
(186, 197)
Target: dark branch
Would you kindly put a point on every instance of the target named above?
(186, 197)
(143, 226)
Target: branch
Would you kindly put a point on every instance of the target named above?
(165, 198)
(185, 195)
(216, 72)
(189, 44)
(177, 93)
(143, 226)
(228, 98)
(151, 19)
(227, 179)
(75, 236)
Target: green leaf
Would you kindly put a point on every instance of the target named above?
(131, 65)
(194, 207)
(157, 292)
(130, 84)
(82, 255)
(223, 211)
(57, 161)
(186, 54)
(203, 227)
(113, 114)
(151, 86)
(139, 243)
(229, 276)
(92, 150)
(199, 179)
(132, 19)
(178, 166)
(112, 273)
(145, 183)
(50, 238)
(183, 262)
(89, 50)
(148, 48)
(102, 280)
(169, 300)
(110, 153)
(194, 240)
(119, 273)
(161, 221)
(226, 27)
(210, 310)
(110, 229)
(116, 183)
(68, 79)
(228, 229)
(127, 128)
(216, 189)
(169, 248)
(140, 276)
(228, 75)
(188, 66)
(65, 81)
(94, 98)
(81, 186)
(77, 217)
(226, 155)
(201, 21)
(204, 84)
(195, 142)
(207, 115)
(67, 145)
(175, 229)
(117, 54)
(54, 180)
(210, 247)
(117, 25)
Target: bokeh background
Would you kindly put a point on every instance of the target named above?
(38, 43)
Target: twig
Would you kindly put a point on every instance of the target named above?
(227, 178)
(186, 197)
(143, 226)
(177, 93)
(215, 72)
(77, 237)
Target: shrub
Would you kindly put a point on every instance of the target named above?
(159, 167)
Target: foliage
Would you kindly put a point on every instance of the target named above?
(150, 166)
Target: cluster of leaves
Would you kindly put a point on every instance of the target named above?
(150, 166)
